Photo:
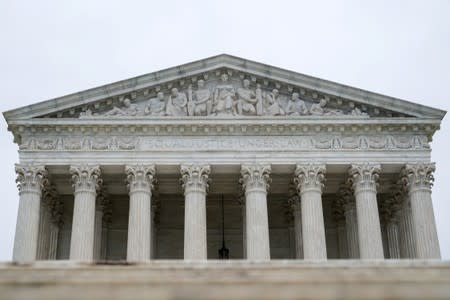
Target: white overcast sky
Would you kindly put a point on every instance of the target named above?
(52, 48)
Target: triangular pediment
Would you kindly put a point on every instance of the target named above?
(224, 86)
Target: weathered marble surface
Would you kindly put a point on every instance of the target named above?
(227, 280)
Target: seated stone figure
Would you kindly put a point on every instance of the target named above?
(156, 106)
(128, 109)
(273, 106)
(201, 103)
(296, 106)
(176, 105)
(319, 109)
(246, 99)
(224, 96)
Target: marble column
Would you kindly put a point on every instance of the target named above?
(406, 231)
(339, 218)
(195, 182)
(392, 239)
(86, 183)
(295, 203)
(364, 179)
(255, 180)
(342, 238)
(351, 226)
(55, 225)
(53, 247)
(98, 227)
(44, 228)
(30, 182)
(140, 179)
(419, 179)
(309, 180)
(155, 221)
(241, 201)
(106, 222)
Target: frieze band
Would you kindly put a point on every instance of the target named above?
(140, 143)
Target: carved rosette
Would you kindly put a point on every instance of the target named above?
(195, 178)
(31, 178)
(310, 177)
(140, 178)
(364, 177)
(418, 176)
(255, 178)
(86, 178)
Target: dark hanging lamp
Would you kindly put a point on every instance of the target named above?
(223, 252)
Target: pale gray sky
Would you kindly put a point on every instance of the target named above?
(52, 48)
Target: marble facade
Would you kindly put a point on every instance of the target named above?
(309, 169)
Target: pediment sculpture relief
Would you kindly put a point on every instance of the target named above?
(224, 98)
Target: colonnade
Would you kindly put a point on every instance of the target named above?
(413, 236)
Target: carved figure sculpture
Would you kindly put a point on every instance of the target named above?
(273, 106)
(199, 102)
(156, 106)
(246, 99)
(128, 109)
(357, 112)
(319, 109)
(176, 105)
(296, 106)
(224, 96)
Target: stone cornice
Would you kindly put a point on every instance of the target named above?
(224, 126)
(217, 62)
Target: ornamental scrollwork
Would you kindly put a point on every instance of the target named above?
(195, 177)
(255, 176)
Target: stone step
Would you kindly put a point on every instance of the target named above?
(343, 279)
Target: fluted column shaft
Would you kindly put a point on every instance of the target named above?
(195, 180)
(351, 225)
(309, 179)
(298, 231)
(53, 244)
(30, 181)
(98, 233)
(86, 181)
(393, 240)
(419, 179)
(255, 180)
(364, 178)
(44, 230)
(342, 240)
(140, 184)
(406, 232)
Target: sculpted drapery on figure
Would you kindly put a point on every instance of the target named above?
(273, 105)
(199, 102)
(320, 110)
(177, 104)
(156, 106)
(246, 99)
(222, 96)
(129, 109)
(296, 106)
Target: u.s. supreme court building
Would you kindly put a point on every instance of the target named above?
(224, 154)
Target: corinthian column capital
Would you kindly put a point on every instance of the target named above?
(364, 177)
(310, 177)
(418, 176)
(195, 177)
(86, 178)
(31, 178)
(255, 177)
(140, 178)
